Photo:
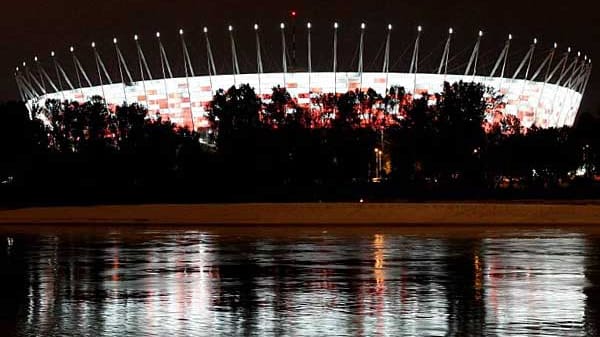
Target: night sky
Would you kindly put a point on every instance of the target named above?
(35, 27)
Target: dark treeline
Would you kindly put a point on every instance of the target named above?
(256, 151)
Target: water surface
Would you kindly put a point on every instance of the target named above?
(136, 281)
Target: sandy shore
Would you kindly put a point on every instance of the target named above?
(398, 214)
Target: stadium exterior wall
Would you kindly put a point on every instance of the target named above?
(534, 103)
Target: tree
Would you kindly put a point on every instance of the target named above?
(233, 111)
(347, 110)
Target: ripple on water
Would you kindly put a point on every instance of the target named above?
(332, 283)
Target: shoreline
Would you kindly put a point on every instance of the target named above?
(315, 214)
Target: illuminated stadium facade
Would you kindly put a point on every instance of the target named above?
(545, 94)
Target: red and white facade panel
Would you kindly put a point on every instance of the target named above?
(543, 104)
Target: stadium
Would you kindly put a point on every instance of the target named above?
(545, 90)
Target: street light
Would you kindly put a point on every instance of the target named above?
(378, 163)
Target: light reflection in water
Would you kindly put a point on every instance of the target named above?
(203, 283)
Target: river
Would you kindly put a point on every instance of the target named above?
(310, 281)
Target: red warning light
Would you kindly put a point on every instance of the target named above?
(293, 13)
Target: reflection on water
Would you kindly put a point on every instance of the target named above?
(298, 282)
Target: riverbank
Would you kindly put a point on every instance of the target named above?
(306, 214)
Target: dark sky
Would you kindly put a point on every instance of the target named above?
(35, 27)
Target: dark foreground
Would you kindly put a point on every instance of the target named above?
(310, 281)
